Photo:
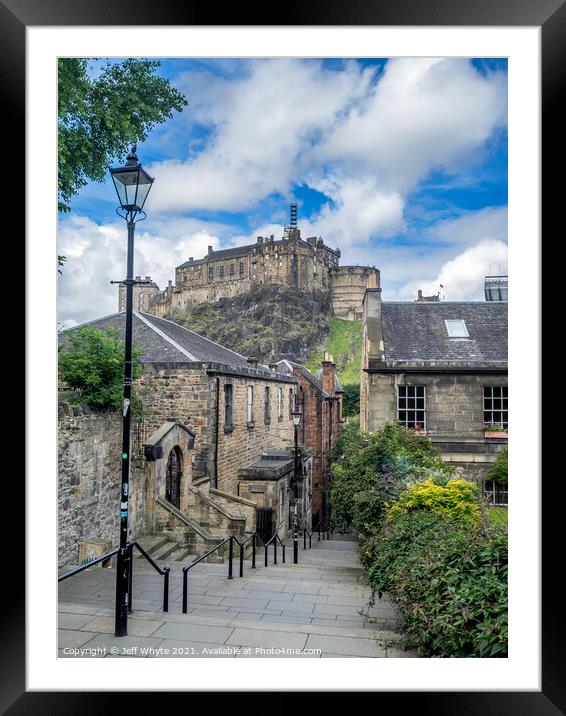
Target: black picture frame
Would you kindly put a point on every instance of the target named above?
(550, 16)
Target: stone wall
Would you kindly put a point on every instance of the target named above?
(188, 394)
(347, 288)
(454, 413)
(89, 478)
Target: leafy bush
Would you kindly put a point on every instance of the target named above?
(369, 471)
(91, 363)
(458, 499)
(498, 473)
(351, 400)
(449, 581)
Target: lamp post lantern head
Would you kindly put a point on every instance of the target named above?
(296, 416)
(132, 184)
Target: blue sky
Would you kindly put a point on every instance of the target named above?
(401, 163)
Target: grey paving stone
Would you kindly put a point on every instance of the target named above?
(292, 608)
(267, 639)
(284, 618)
(131, 645)
(68, 638)
(337, 609)
(136, 627)
(193, 632)
(72, 621)
(179, 649)
(345, 645)
(257, 604)
(302, 589)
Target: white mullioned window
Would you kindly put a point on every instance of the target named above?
(495, 406)
(411, 406)
(250, 404)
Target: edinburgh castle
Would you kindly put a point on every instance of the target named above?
(305, 264)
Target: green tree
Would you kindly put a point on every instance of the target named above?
(99, 118)
(351, 400)
(498, 472)
(91, 362)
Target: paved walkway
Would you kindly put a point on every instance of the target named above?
(316, 609)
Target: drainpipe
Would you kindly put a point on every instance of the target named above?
(216, 433)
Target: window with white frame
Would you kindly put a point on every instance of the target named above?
(456, 329)
(495, 406)
(411, 406)
(494, 493)
(250, 404)
(267, 407)
(228, 405)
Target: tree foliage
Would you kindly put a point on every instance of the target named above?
(448, 579)
(498, 473)
(351, 400)
(458, 500)
(91, 362)
(369, 470)
(100, 117)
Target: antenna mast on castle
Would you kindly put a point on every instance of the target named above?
(292, 231)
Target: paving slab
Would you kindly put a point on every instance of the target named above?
(346, 645)
(69, 638)
(193, 632)
(267, 639)
(72, 621)
(136, 627)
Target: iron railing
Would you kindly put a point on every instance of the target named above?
(274, 539)
(186, 569)
(130, 546)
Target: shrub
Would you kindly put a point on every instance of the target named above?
(498, 473)
(91, 363)
(449, 581)
(369, 470)
(351, 400)
(457, 499)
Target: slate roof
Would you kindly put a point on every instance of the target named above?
(162, 341)
(415, 331)
(286, 366)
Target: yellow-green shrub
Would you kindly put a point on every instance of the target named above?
(458, 499)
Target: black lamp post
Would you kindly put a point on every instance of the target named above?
(296, 416)
(132, 186)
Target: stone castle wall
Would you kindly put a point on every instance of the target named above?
(307, 265)
(347, 288)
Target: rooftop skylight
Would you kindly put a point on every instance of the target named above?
(457, 329)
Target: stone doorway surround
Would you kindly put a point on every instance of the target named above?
(172, 435)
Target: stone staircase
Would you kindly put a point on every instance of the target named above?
(163, 548)
(316, 609)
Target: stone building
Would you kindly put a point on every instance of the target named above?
(210, 415)
(305, 264)
(142, 292)
(319, 398)
(439, 367)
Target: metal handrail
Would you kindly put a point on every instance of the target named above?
(275, 538)
(130, 546)
(86, 566)
(164, 573)
(204, 556)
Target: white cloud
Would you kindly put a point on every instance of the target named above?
(96, 255)
(422, 114)
(263, 124)
(359, 211)
(463, 276)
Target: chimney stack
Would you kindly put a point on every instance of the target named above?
(329, 373)
(209, 250)
(252, 361)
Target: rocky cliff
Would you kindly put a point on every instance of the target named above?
(270, 322)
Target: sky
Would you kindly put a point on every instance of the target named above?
(401, 163)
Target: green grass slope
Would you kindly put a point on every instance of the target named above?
(344, 343)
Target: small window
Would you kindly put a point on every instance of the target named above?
(228, 405)
(210, 273)
(232, 270)
(241, 268)
(279, 403)
(411, 407)
(457, 329)
(250, 404)
(221, 272)
(267, 407)
(495, 406)
(291, 402)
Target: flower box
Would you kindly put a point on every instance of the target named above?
(501, 434)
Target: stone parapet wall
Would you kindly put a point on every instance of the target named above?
(347, 288)
(89, 478)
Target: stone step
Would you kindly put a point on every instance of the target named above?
(152, 543)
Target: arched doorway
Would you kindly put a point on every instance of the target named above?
(173, 478)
